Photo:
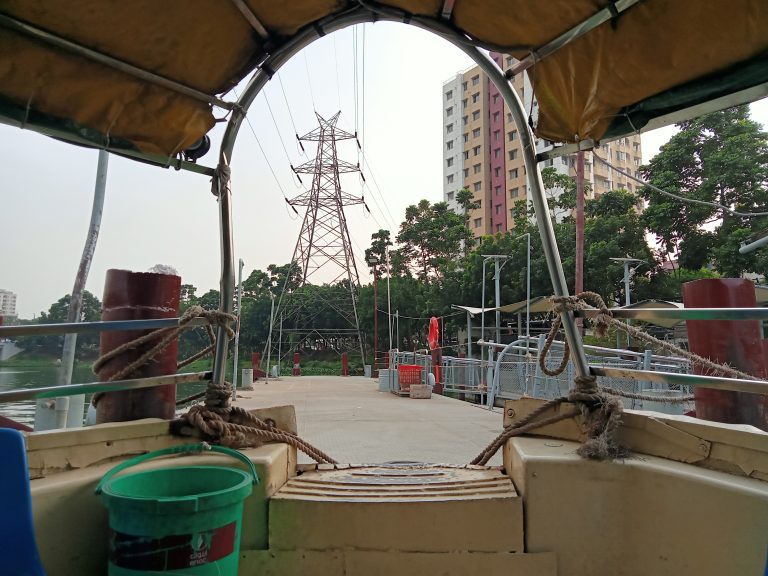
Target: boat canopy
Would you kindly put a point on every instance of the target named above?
(146, 76)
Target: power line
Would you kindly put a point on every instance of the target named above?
(269, 164)
(681, 198)
(381, 194)
(279, 134)
(309, 77)
(288, 107)
(338, 82)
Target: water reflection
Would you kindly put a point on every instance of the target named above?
(37, 377)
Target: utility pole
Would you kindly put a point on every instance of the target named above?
(375, 264)
(579, 288)
(237, 327)
(627, 277)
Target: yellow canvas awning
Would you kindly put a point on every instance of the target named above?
(648, 59)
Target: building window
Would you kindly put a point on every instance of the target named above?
(449, 179)
(466, 172)
(498, 227)
(497, 190)
(497, 171)
(465, 137)
(449, 111)
(476, 115)
(476, 150)
(449, 145)
(513, 154)
(479, 204)
(450, 196)
(512, 135)
(498, 208)
(476, 169)
(464, 103)
(477, 186)
(496, 116)
(449, 128)
(513, 173)
(514, 192)
(513, 212)
(509, 117)
(476, 133)
(475, 80)
(475, 97)
(464, 86)
(495, 98)
(449, 95)
(478, 222)
(449, 162)
(464, 121)
(496, 135)
(466, 155)
(497, 152)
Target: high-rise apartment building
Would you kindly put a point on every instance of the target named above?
(481, 151)
(7, 303)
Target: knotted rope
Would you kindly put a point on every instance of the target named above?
(230, 425)
(599, 405)
(237, 428)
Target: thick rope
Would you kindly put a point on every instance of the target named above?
(166, 336)
(235, 427)
(599, 406)
(217, 419)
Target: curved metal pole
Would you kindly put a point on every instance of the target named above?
(360, 15)
(536, 188)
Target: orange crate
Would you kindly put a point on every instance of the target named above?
(408, 374)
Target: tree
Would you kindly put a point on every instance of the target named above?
(377, 253)
(465, 198)
(87, 343)
(717, 158)
(431, 238)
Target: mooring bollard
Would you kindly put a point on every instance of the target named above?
(296, 364)
(344, 364)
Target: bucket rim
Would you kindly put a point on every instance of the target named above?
(208, 500)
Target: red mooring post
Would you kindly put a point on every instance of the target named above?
(296, 364)
(437, 362)
(138, 296)
(344, 364)
(255, 362)
(737, 343)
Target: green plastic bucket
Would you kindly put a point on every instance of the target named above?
(179, 520)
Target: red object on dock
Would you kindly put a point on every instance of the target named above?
(344, 364)
(296, 364)
(8, 423)
(437, 362)
(255, 362)
(138, 296)
(737, 343)
(408, 374)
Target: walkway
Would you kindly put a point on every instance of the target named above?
(353, 422)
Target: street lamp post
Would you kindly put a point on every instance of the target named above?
(527, 288)
(627, 277)
(237, 326)
(374, 264)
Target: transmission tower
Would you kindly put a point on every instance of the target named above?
(323, 243)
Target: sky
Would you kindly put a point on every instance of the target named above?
(160, 216)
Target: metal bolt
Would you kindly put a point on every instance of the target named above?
(270, 422)
(703, 448)
(510, 412)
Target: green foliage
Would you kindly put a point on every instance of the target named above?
(717, 158)
(87, 343)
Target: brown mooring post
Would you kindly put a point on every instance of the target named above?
(138, 296)
(737, 343)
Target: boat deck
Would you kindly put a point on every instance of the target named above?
(353, 422)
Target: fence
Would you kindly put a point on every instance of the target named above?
(515, 373)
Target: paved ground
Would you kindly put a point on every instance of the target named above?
(355, 423)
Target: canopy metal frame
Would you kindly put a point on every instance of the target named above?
(366, 12)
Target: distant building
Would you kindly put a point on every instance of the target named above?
(481, 151)
(7, 303)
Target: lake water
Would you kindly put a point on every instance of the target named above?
(16, 378)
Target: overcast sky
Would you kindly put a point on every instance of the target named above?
(156, 216)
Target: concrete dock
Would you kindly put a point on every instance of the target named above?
(353, 422)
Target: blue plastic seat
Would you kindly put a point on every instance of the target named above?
(17, 533)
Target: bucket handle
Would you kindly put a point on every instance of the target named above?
(183, 449)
